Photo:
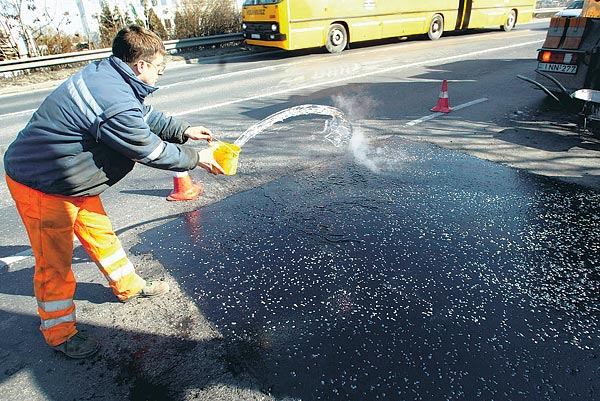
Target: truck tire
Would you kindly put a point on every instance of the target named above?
(337, 38)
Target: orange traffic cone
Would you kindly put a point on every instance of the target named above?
(442, 104)
(184, 188)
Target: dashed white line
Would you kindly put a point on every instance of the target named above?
(435, 115)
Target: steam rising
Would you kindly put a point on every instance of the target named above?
(361, 107)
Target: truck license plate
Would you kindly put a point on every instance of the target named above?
(255, 36)
(563, 68)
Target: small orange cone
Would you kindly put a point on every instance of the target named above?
(184, 188)
(442, 105)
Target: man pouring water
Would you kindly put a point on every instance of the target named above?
(85, 137)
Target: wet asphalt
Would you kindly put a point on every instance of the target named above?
(434, 276)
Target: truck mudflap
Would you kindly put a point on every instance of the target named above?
(590, 99)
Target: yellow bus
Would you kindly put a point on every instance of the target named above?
(301, 24)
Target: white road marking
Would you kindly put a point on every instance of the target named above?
(454, 108)
(18, 113)
(8, 260)
(352, 77)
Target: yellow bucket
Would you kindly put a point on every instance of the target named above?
(226, 154)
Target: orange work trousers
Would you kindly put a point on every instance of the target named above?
(51, 221)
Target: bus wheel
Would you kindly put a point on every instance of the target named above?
(337, 38)
(510, 21)
(436, 27)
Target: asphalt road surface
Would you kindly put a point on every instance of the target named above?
(432, 256)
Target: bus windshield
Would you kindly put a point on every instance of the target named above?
(260, 2)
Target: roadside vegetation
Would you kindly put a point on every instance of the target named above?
(22, 37)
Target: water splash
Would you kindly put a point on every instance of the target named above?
(338, 130)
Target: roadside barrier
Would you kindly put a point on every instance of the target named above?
(89, 55)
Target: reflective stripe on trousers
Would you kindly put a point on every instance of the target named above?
(50, 221)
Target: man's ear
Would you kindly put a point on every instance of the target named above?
(137, 70)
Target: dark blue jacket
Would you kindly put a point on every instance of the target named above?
(89, 132)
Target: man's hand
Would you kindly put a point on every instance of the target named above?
(198, 133)
(207, 162)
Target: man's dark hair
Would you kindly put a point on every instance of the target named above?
(135, 43)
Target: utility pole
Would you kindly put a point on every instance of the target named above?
(83, 17)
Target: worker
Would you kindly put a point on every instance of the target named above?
(85, 137)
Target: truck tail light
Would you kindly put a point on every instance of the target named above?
(546, 56)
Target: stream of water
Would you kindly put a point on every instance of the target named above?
(338, 129)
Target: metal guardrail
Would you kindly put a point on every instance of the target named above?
(88, 55)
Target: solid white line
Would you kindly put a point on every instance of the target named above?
(351, 77)
(18, 113)
(231, 74)
(435, 115)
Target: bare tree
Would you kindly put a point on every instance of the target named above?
(8, 47)
(155, 24)
(110, 23)
(20, 37)
(16, 28)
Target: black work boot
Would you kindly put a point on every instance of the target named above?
(78, 346)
